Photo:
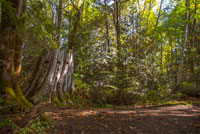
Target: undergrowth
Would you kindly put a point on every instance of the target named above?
(37, 126)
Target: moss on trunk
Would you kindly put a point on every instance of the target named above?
(11, 42)
(15, 96)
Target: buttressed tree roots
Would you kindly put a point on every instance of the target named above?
(11, 41)
(53, 77)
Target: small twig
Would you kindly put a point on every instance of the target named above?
(9, 106)
(3, 63)
(20, 3)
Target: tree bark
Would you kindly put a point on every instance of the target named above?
(192, 41)
(53, 77)
(161, 54)
(116, 20)
(74, 30)
(59, 23)
(11, 42)
(107, 26)
(180, 71)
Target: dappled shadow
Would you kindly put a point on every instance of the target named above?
(138, 120)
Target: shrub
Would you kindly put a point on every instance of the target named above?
(190, 89)
(152, 97)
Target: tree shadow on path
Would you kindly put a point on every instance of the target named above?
(138, 120)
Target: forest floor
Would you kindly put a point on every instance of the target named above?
(174, 119)
(160, 119)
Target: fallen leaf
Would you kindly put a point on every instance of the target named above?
(106, 126)
(131, 127)
(61, 132)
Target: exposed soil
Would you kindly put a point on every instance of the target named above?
(137, 120)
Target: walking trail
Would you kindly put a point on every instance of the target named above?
(180, 119)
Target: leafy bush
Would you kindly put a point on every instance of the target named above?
(81, 86)
(187, 85)
(6, 122)
(7, 125)
(177, 96)
(190, 89)
(152, 97)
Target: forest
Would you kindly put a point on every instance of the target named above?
(133, 66)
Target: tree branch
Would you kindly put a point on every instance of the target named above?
(19, 8)
(74, 5)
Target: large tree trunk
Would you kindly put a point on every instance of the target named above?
(192, 43)
(11, 42)
(53, 77)
(180, 71)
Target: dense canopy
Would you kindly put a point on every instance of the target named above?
(106, 51)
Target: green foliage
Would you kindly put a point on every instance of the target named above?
(177, 96)
(152, 97)
(145, 64)
(81, 86)
(79, 83)
(164, 91)
(39, 126)
(76, 100)
(1, 101)
(6, 122)
(190, 89)
(187, 85)
(8, 7)
(57, 101)
(108, 106)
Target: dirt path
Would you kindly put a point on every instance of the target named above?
(137, 120)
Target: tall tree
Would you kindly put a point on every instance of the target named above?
(192, 38)
(11, 41)
(116, 20)
(107, 25)
(180, 72)
(53, 76)
(59, 28)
